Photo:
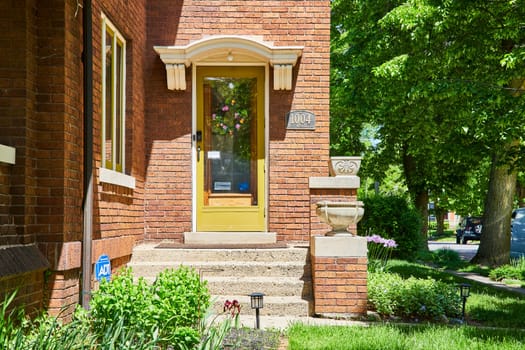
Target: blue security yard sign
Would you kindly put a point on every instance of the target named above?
(103, 268)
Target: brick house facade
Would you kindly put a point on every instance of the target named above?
(150, 193)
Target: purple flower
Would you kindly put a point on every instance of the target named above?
(225, 109)
(213, 116)
(390, 243)
(224, 127)
(237, 126)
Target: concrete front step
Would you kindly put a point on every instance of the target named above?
(282, 286)
(149, 253)
(282, 274)
(226, 268)
(275, 286)
(273, 305)
(229, 237)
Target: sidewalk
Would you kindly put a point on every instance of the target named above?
(283, 322)
(488, 281)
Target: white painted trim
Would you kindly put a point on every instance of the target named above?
(267, 144)
(194, 148)
(7, 154)
(252, 49)
(116, 178)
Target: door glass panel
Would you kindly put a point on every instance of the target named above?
(230, 147)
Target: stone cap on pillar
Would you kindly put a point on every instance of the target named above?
(335, 182)
(339, 246)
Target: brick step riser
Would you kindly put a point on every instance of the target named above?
(191, 255)
(225, 270)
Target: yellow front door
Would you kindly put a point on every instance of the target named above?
(230, 149)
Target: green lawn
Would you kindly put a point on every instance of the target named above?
(402, 337)
(486, 306)
(495, 320)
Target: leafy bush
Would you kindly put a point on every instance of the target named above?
(413, 298)
(515, 270)
(169, 310)
(448, 259)
(122, 300)
(391, 217)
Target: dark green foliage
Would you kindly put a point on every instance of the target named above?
(448, 259)
(515, 270)
(391, 217)
(412, 298)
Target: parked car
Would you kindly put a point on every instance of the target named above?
(517, 233)
(469, 229)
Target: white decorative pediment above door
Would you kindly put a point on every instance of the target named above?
(229, 49)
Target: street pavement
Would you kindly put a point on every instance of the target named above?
(465, 251)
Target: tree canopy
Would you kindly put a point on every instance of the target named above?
(442, 81)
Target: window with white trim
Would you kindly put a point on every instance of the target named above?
(113, 98)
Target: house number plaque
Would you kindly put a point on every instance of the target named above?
(301, 120)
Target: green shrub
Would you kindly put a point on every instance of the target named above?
(122, 300)
(448, 259)
(412, 298)
(169, 311)
(391, 217)
(180, 300)
(515, 270)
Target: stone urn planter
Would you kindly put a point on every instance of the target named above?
(344, 166)
(340, 215)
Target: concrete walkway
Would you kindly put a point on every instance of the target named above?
(485, 280)
(283, 322)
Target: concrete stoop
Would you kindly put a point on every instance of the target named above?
(282, 274)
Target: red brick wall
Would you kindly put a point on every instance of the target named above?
(8, 234)
(29, 287)
(119, 211)
(18, 185)
(41, 115)
(294, 155)
(17, 103)
(340, 285)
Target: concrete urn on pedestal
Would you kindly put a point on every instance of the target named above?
(340, 215)
(339, 257)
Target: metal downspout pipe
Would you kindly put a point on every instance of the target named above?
(87, 204)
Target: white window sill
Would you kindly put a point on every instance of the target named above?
(7, 154)
(116, 178)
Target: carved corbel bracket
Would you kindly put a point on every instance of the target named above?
(218, 50)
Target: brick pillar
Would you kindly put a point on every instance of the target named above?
(339, 272)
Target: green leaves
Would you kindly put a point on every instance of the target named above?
(167, 312)
(440, 80)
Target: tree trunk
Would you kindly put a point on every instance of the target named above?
(440, 220)
(419, 192)
(494, 247)
(421, 203)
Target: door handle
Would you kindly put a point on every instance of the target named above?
(198, 153)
